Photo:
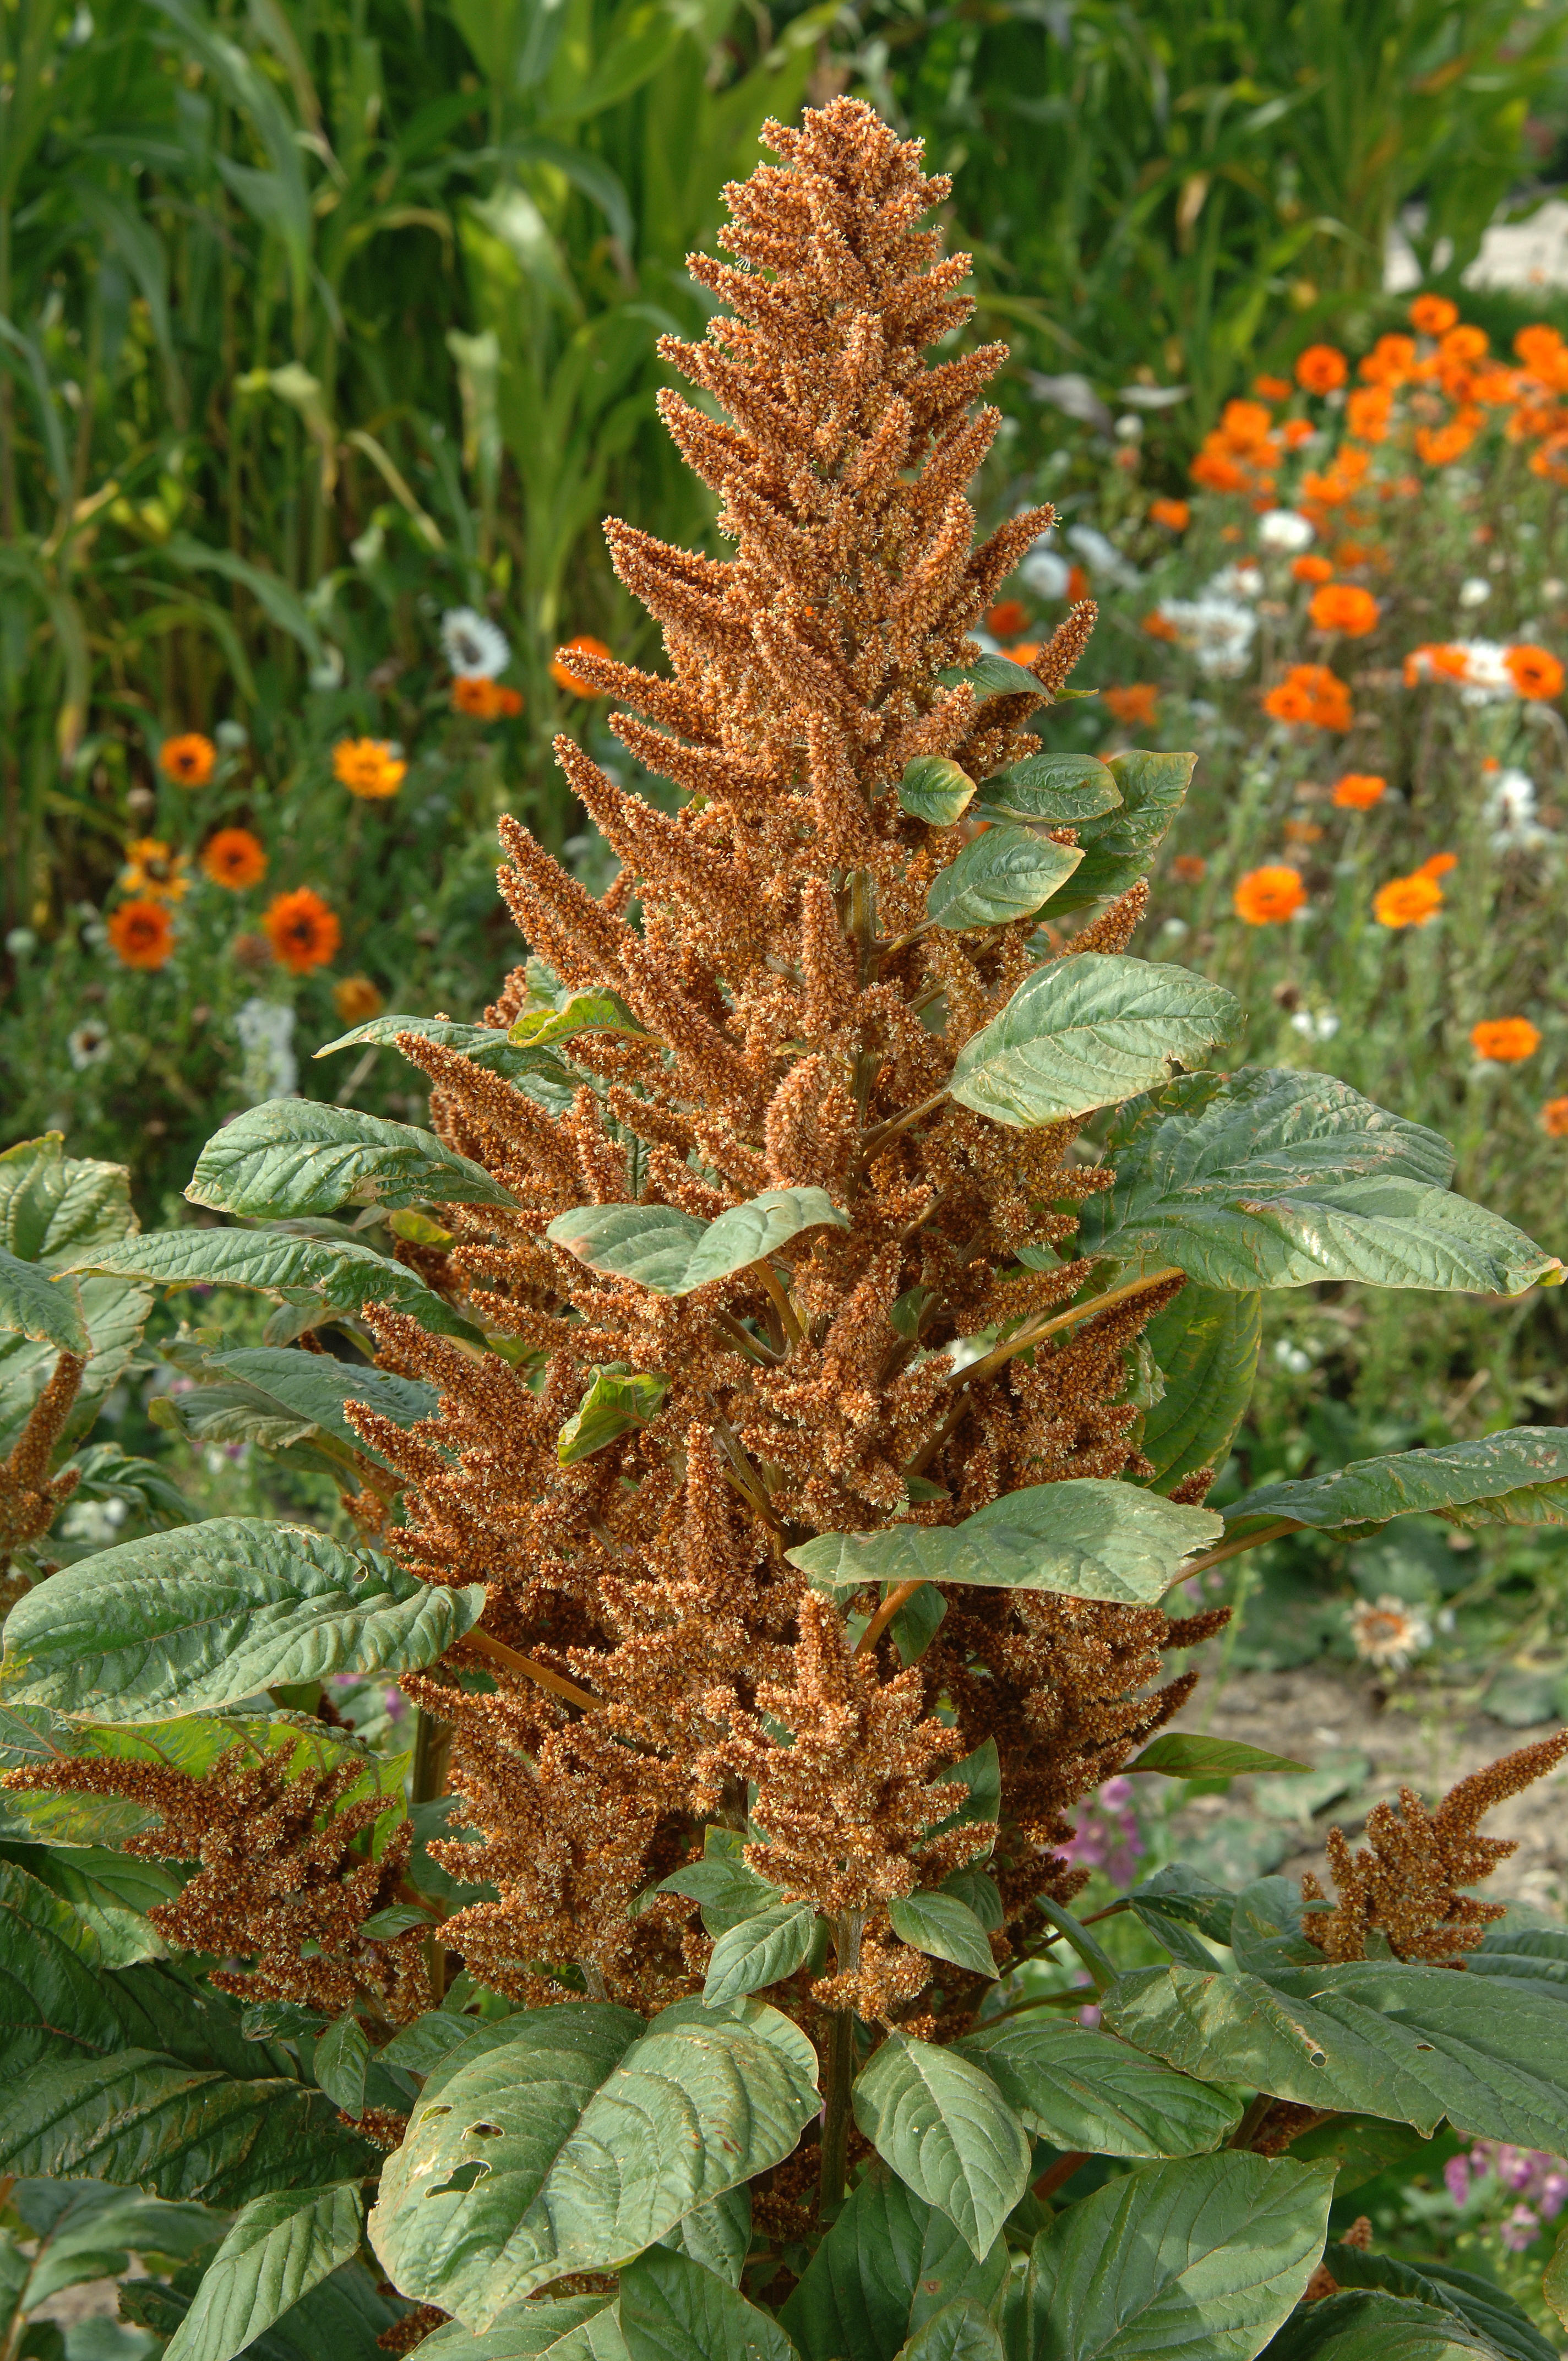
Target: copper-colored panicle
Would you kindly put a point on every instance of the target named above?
(29, 1498)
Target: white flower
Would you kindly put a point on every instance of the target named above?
(1290, 1356)
(1315, 1024)
(96, 1521)
(1475, 592)
(1285, 531)
(1218, 631)
(265, 1030)
(1510, 807)
(88, 1046)
(1487, 679)
(1129, 426)
(1102, 557)
(231, 736)
(328, 674)
(1046, 574)
(472, 645)
(1241, 580)
(1386, 1632)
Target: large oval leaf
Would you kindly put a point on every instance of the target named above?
(202, 1617)
(1060, 789)
(571, 2328)
(889, 2264)
(1205, 1344)
(1004, 875)
(1518, 1477)
(673, 2309)
(1206, 2257)
(276, 2249)
(1363, 2326)
(1087, 1032)
(1087, 1537)
(1118, 848)
(581, 2139)
(289, 1157)
(1082, 2090)
(945, 1927)
(672, 1252)
(337, 1273)
(945, 2129)
(758, 1951)
(53, 2002)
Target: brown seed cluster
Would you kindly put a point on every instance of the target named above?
(29, 1498)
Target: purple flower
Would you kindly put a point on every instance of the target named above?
(1457, 2179)
(1520, 2229)
(1117, 1793)
(1552, 2194)
(1515, 2167)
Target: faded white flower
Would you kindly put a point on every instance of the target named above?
(88, 1046)
(1102, 557)
(1487, 680)
(1219, 631)
(1510, 807)
(1292, 1357)
(472, 645)
(1044, 572)
(1387, 1632)
(1241, 580)
(1283, 532)
(265, 1030)
(93, 1522)
(1315, 1024)
(1475, 591)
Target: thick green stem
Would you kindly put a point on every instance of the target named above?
(839, 2071)
(432, 1751)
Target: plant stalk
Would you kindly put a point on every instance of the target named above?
(840, 2070)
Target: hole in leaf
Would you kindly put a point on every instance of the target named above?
(1424, 2044)
(430, 2113)
(483, 2131)
(1317, 2058)
(462, 2180)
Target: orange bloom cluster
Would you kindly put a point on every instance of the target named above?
(1321, 369)
(1311, 694)
(141, 934)
(1343, 607)
(357, 1000)
(484, 700)
(1174, 515)
(1359, 790)
(1504, 1040)
(1241, 454)
(304, 932)
(234, 858)
(1134, 705)
(1312, 568)
(368, 767)
(1265, 895)
(1007, 618)
(1554, 1118)
(189, 760)
(560, 671)
(1411, 901)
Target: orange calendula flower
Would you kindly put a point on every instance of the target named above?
(152, 868)
(1137, 702)
(1025, 651)
(1435, 659)
(1321, 368)
(1504, 1040)
(1465, 343)
(1432, 315)
(1554, 1118)
(1006, 620)
(304, 932)
(1265, 895)
(486, 700)
(1439, 865)
(357, 1000)
(1389, 362)
(234, 858)
(368, 767)
(1368, 412)
(1539, 348)
(1174, 515)
(560, 671)
(189, 760)
(1311, 693)
(1272, 388)
(1406, 901)
(1534, 673)
(1295, 432)
(141, 934)
(1302, 831)
(1359, 790)
(1190, 867)
(1311, 569)
(1440, 446)
(1343, 607)
(1159, 626)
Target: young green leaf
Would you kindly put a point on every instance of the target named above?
(673, 2309)
(726, 1891)
(289, 1157)
(889, 2264)
(583, 1012)
(48, 1309)
(672, 1252)
(581, 2139)
(616, 1401)
(934, 791)
(947, 2131)
(996, 676)
(1208, 2253)
(980, 1774)
(758, 1951)
(1205, 1344)
(1086, 1538)
(1004, 875)
(1518, 1477)
(334, 1272)
(945, 1927)
(569, 2328)
(1118, 848)
(483, 1044)
(340, 2062)
(1086, 1033)
(1081, 2090)
(1061, 790)
(277, 2249)
(1183, 1754)
(205, 1616)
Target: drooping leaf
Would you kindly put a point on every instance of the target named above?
(1361, 2325)
(673, 2309)
(1205, 1344)
(340, 2062)
(54, 1207)
(205, 1615)
(332, 1272)
(109, 1892)
(726, 1891)
(917, 1621)
(35, 1303)
(947, 2131)
(996, 676)
(315, 1387)
(1061, 790)
(934, 791)
(1004, 875)
(1081, 2090)
(1087, 1032)
(1207, 2255)
(289, 1157)
(540, 1073)
(889, 2264)
(617, 1400)
(960, 2332)
(277, 2250)
(1086, 1538)
(758, 1951)
(672, 1252)
(571, 2328)
(53, 2002)
(583, 1012)
(1479, 2303)
(717, 2234)
(1119, 849)
(1183, 1754)
(1516, 1477)
(944, 1926)
(580, 2140)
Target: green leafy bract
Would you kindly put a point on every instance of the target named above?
(208, 1615)
(934, 791)
(1004, 875)
(579, 2140)
(996, 676)
(336, 1274)
(482, 1045)
(1205, 1344)
(947, 2131)
(1184, 1754)
(55, 1208)
(758, 1951)
(1080, 2089)
(291, 1156)
(673, 2309)
(1060, 790)
(1207, 2255)
(1518, 1477)
(672, 1252)
(1087, 1537)
(617, 1400)
(1118, 848)
(278, 2248)
(889, 2264)
(36, 1304)
(1087, 1032)
(945, 1927)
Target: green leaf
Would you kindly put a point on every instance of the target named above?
(1554, 2281)
(1182, 1755)
(1205, 1344)
(980, 1894)
(482, 1045)
(1364, 2326)
(571, 2328)
(582, 2139)
(960, 2332)
(54, 1207)
(1081, 2090)
(673, 2309)
(340, 2061)
(1118, 848)
(332, 1272)
(208, 1615)
(315, 1387)
(1004, 875)
(1088, 1537)
(53, 2003)
(725, 1889)
(1278, 1179)
(1062, 790)
(934, 791)
(1479, 2303)
(758, 1951)
(889, 2264)
(583, 1012)
(277, 2249)
(917, 1621)
(947, 2131)
(1518, 1477)
(109, 1892)
(32, 1303)
(289, 1157)
(717, 2236)
(980, 1775)
(672, 1252)
(617, 1400)
(996, 676)
(178, 2130)
(1087, 1032)
(1411, 2044)
(946, 1929)
(1207, 2255)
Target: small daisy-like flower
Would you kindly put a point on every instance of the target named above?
(152, 868)
(472, 644)
(1265, 895)
(1432, 315)
(1345, 607)
(368, 767)
(88, 1044)
(141, 934)
(1386, 1632)
(1284, 531)
(1504, 1040)
(1321, 368)
(190, 760)
(357, 1000)
(304, 932)
(234, 858)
